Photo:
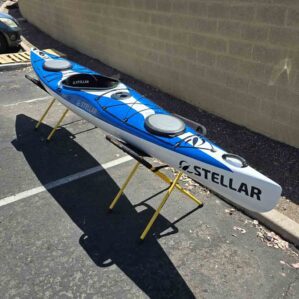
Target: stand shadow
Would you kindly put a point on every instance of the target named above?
(107, 238)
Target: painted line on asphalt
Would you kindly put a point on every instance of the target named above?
(29, 101)
(73, 177)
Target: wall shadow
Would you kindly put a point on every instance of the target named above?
(108, 239)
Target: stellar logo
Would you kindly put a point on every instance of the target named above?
(86, 107)
(80, 82)
(220, 179)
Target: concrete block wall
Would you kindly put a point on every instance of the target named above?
(238, 59)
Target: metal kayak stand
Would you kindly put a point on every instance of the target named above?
(39, 84)
(139, 156)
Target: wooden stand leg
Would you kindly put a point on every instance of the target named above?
(44, 115)
(120, 192)
(57, 125)
(156, 214)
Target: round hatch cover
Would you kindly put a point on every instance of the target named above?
(165, 125)
(55, 65)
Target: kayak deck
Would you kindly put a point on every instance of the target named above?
(129, 116)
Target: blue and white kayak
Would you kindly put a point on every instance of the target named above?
(129, 116)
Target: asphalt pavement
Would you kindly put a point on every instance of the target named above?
(58, 241)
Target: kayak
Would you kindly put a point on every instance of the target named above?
(129, 116)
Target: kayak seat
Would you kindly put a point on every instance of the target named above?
(57, 65)
(164, 125)
(89, 81)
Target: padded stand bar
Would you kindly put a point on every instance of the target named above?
(36, 82)
(139, 157)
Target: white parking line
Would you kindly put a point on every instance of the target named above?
(10, 199)
(29, 101)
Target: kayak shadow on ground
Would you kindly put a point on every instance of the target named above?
(108, 239)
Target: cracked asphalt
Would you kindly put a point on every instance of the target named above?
(62, 243)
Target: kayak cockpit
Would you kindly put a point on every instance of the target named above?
(89, 81)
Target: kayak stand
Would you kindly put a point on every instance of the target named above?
(139, 157)
(38, 83)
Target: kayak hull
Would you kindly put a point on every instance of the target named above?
(243, 186)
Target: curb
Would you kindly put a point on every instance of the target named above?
(13, 66)
(282, 225)
(279, 223)
(25, 44)
(3, 8)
